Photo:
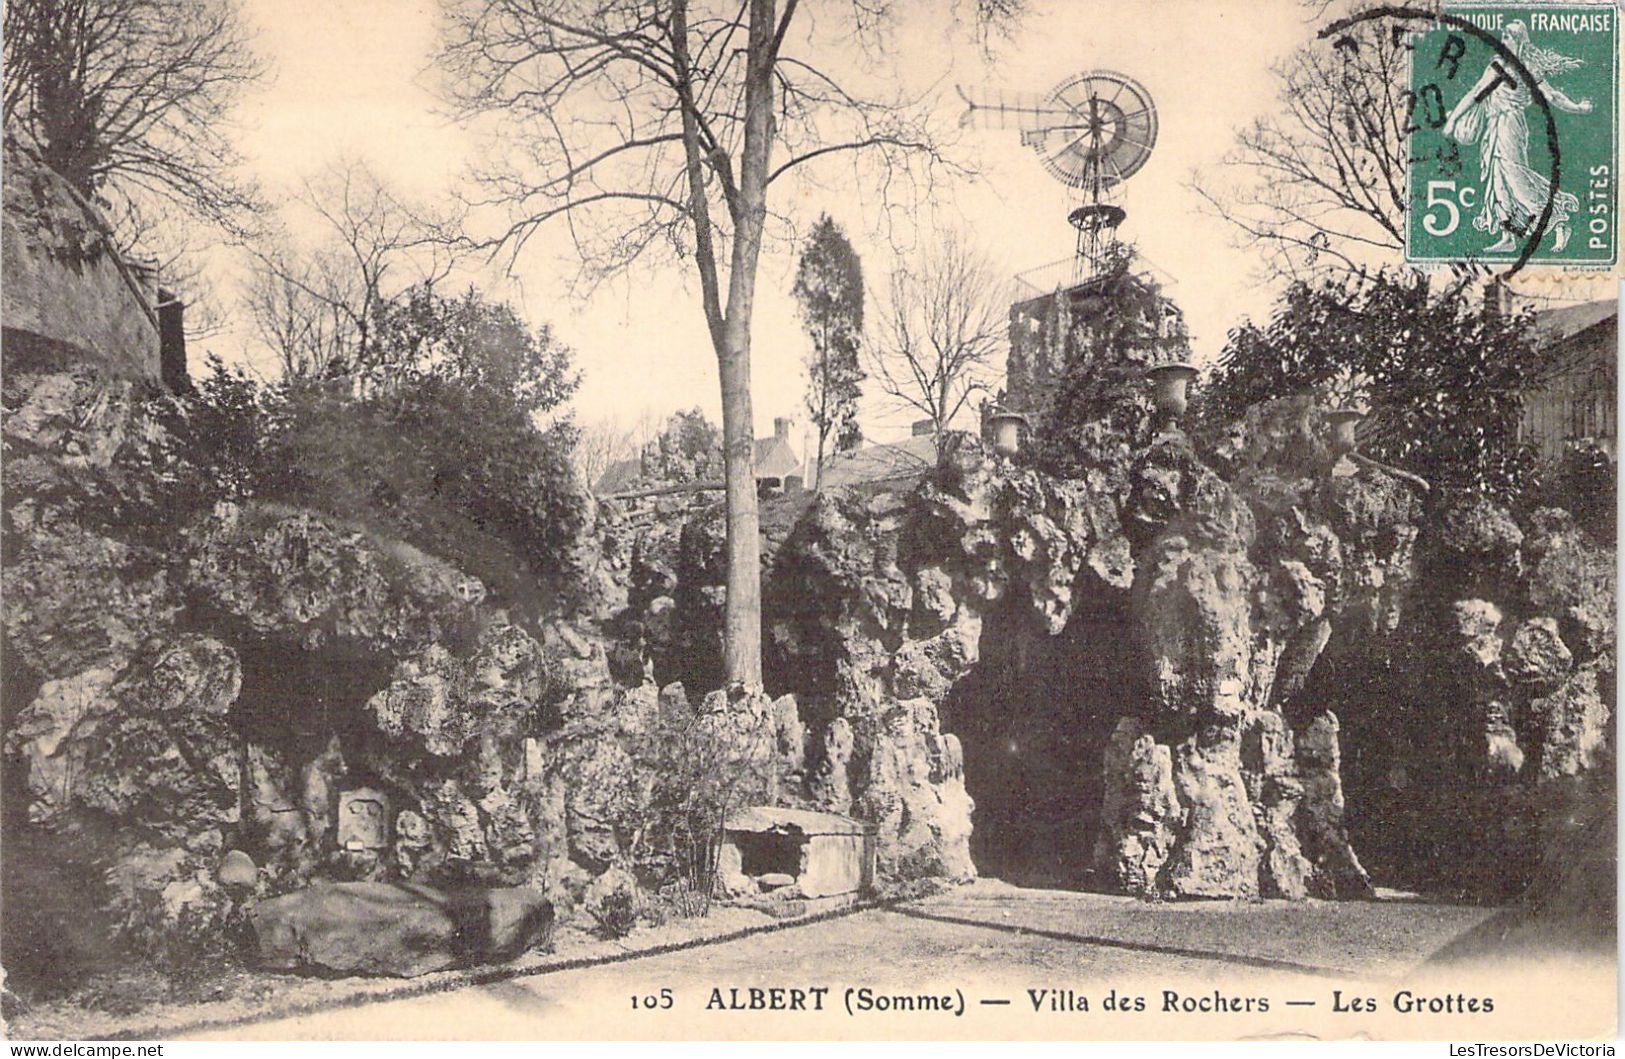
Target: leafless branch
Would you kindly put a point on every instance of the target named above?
(130, 100)
(940, 330)
(1319, 186)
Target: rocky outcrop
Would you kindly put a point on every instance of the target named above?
(875, 611)
(203, 691)
(232, 705)
(1501, 714)
(402, 930)
(223, 703)
(300, 577)
(144, 744)
(1140, 810)
(1241, 586)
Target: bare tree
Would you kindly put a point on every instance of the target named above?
(128, 99)
(1319, 186)
(602, 443)
(316, 307)
(641, 125)
(299, 306)
(940, 330)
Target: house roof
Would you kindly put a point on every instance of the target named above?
(913, 455)
(775, 458)
(1554, 325)
(622, 474)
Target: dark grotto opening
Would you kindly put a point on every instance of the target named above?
(295, 706)
(298, 700)
(1033, 718)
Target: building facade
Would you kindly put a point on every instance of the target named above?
(1577, 398)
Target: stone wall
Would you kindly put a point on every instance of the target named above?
(65, 296)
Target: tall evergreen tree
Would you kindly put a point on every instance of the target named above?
(829, 288)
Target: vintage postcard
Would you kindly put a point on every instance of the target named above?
(809, 519)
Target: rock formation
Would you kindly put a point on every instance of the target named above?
(397, 929)
(1235, 666)
(1240, 586)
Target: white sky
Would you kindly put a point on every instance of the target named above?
(350, 77)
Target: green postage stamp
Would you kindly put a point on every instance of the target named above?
(1513, 125)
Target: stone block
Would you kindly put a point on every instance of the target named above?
(824, 854)
(363, 819)
(397, 929)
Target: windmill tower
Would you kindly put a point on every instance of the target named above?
(1091, 132)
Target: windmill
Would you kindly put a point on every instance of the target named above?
(1091, 132)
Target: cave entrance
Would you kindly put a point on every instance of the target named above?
(1033, 718)
(298, 700)
(294, 705)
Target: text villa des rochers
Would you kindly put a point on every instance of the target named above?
(1046, 1000)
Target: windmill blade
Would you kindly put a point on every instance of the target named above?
(1002, 109)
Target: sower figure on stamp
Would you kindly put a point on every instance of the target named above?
(1492, 114)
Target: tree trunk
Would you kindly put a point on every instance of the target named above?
(742, 613)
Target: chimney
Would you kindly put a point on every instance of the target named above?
(172, 342)
(1497, 298)
(923, 428)
(781, 428)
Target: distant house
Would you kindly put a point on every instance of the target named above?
(620, 476)
(778, 468)
(873, 463)
(1576, 397)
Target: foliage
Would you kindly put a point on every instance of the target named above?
(443, 449)
(227, 418)
(703, 765)
(829, 290)
(683, 899)
(1584, 480)
(127, 99)
(1444, 378)
(1099, 407)
(616, 915)
(1318, 186)
(472, 345)
(687, 449)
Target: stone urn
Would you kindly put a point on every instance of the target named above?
(1343, 421)
(1171, 384)
(1006, 429)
